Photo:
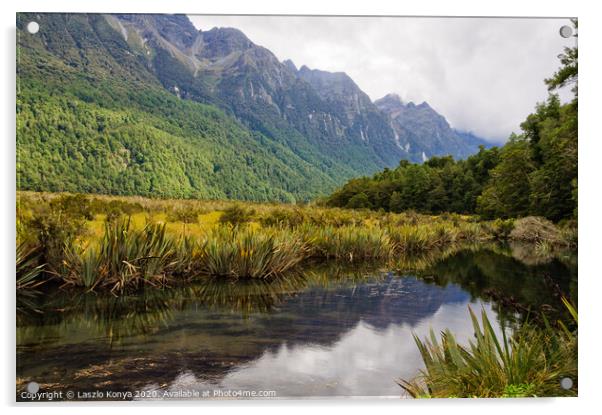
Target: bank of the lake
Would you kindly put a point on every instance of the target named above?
(99, 243)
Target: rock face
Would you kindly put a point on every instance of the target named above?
(423, 132)
(223, 67)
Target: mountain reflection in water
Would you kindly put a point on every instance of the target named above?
(334, 331)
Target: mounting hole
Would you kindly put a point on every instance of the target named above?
(566, 31)
(33, 27)
(33, 387)
(566, 383)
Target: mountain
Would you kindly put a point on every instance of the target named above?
(147, 104)
(424, 133)
(223, 67)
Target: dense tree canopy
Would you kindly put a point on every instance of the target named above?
(438, 185)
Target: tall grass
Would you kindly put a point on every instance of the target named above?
(123, 253)
(530, 362)
(245, 253)
(125, 258)
(412, 239)
(348, 242)
(28, 266)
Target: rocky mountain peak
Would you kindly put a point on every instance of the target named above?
(336, 86)
(226, 66)
(222, 41)
(175, 28)
(389, 102)
(290, 64)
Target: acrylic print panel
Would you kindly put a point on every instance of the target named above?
(266, 207)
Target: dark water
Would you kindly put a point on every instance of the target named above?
(334, 331)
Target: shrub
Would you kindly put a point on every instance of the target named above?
(244, 253)
(237, 215)
(348, 242)
(74, 206)
(52, 230)
(359, 201)
(185, 215)
(115, 208)
(535, 229)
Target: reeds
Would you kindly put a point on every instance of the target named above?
(28, 267)
(417, 239)
(245, 253)
(530, 362)
(412, 239)
(125, 258)
(348, 242)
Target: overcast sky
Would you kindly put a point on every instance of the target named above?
(483, 75)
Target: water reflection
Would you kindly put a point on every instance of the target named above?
(514, 276)
(364, 361)
(331, 331)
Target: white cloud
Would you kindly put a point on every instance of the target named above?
(483, 75)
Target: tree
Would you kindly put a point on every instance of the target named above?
(569, 71)
(535, 173)
(507, 193)
(396, 203)
(359, 201)
(553, 185)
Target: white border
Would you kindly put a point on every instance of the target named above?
(590, 154)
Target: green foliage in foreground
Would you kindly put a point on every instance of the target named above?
(242, 253)
(125, 258)
(237, 215)
(28, 269)
(531, 362)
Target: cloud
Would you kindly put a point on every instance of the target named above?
(484, 75)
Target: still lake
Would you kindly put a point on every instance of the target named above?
(334, 331)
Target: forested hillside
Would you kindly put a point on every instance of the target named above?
(92, 118)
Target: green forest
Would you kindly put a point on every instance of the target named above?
(92, 118)
(74, 144)
(534, 173)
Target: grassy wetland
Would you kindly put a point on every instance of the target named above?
(97, 243)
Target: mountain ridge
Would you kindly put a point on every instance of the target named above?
(314, 129)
